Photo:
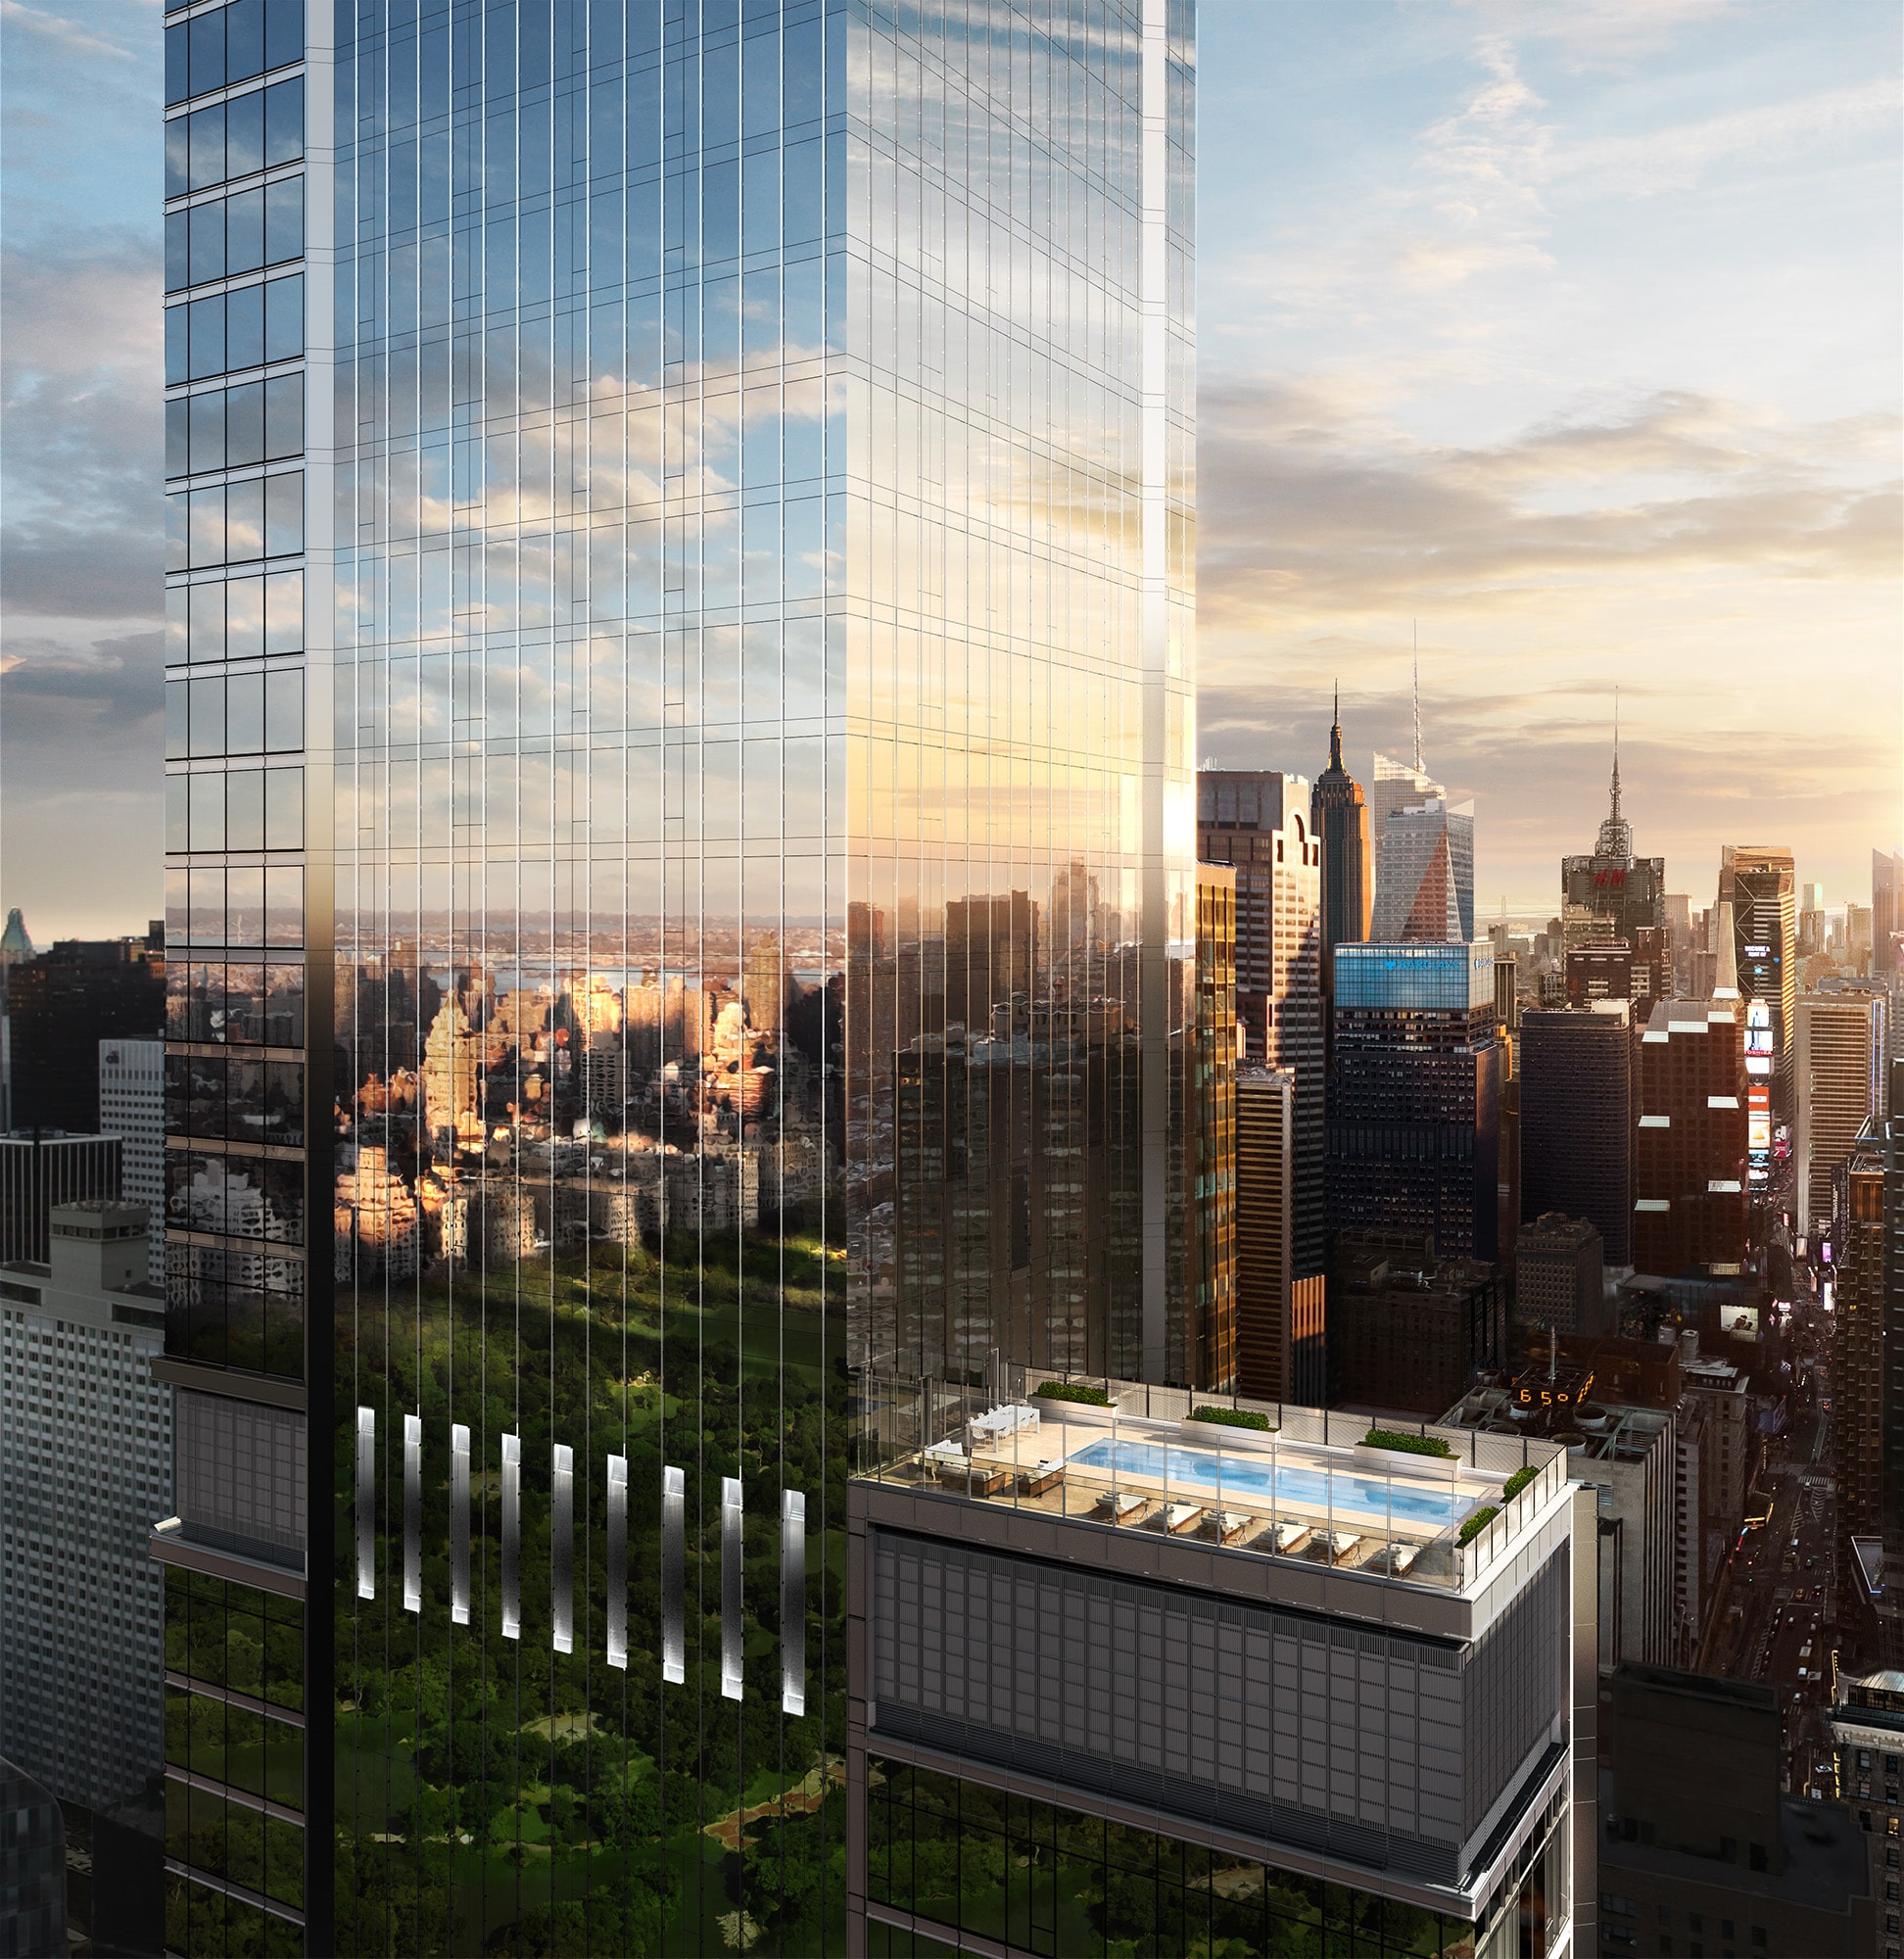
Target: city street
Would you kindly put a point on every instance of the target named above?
(1777, 1600)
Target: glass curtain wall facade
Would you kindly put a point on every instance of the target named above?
(681, 706)
(243, 1203)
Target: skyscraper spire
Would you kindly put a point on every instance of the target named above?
(1616, 755)
(1335, 730)
(1615, 831)
(1417, 695)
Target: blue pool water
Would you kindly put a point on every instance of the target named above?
(1252, 1482)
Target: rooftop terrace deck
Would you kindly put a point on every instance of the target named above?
(1309, 1486)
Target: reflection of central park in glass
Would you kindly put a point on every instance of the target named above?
(498, 1790)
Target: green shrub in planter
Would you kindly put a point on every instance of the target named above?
(1412, 1444)
(1517, 1482)
(1232, 1417)
(1479, 1522)
(1072, 1391)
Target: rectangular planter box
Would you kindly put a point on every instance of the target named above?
(1406, 1462)
(1220, 1435)
(1082, 1413)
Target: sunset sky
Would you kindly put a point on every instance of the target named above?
(1565, 333)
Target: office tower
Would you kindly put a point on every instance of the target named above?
(1280, 1350)
(1506, 991)
(1868, 1732)
(1886, 909)
(1396, 785)
(1839, 1068)
(1413, 1105)
(1857, 936)
(1602, 971)
(32, 1863)
(1576, 1074)
(1728, 1447)
(40, 1169)
(661, 665)
(1407, 1331)
(1858, 1334)
(1557, 1261)
(1814, 927)
(1608, 895)
(1260, 823)
(1424, 883)
(1625, 1452)
(1209, 1125)
(60, 1005)
(133, 1108)
(1197, 1653)
(1614, 917)
(1508, 1158)
(1339, 822)
(85, 1472)
(1699, 1838)
(15, 945)
(1891, 1400)
(1680, 937)
(1694, 1136)
(1758, 882)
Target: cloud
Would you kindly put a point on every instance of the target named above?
(80, 735)
(1600, 33)
(112, 684)
(70, 39)
(80, 375)
(1310, 504)
(1677, 157)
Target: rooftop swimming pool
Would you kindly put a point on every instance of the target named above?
(1269, 1485)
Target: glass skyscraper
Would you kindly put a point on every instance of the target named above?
(681, 896)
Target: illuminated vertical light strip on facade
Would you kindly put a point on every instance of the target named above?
(792, 1603)
(616, 1628)
(513, 1537)
(459, 1523)
(412, 1514)
(366, 1502)
(561, 1548)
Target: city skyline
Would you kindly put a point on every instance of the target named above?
(1370, 472)
(790, 1235)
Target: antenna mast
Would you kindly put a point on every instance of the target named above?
(1418, 693)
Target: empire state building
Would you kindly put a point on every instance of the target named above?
(1610, 896)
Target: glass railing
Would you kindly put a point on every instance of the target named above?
(1269, 1480)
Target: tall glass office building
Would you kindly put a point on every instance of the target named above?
(681, 900)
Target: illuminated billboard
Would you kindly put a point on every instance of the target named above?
(1758, 1038)
(1758, 1121)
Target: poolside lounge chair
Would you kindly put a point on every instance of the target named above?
(1123, 1505)
(1182, 1517)
(1341, 1546)
(1046, 1477)
(1288, 1538)
(1231, 1525)
(1400, 1557)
